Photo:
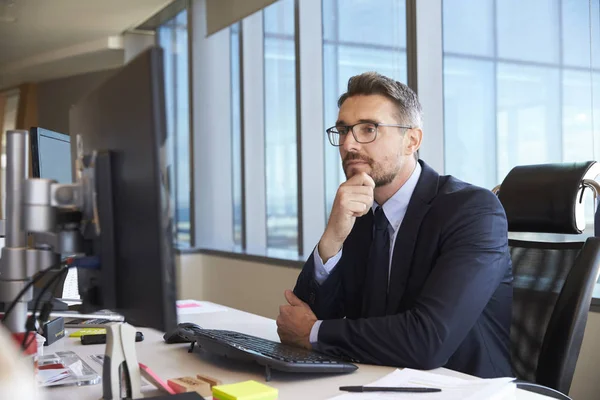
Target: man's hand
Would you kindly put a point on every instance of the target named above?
(353, 199)
(295, 322)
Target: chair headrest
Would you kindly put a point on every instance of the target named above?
(546, 197)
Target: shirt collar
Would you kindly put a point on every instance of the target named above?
(395, 207)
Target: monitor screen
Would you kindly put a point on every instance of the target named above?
(51, 155)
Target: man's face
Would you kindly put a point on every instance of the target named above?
(383, 158)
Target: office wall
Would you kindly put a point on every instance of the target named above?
(55, 98)
(258, 288)
(249, 286)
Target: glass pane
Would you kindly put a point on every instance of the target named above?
(469, 120)
(595, 33)
(577, 116)
(528, 30)
(236, 134)
(529, 117)
(359, 36)
(576, 32)
(279, 19)
(469, 35)
(280, 130)
(173, 38)
(545, 109)
(166, 39)
(182, 141)
(381, 23)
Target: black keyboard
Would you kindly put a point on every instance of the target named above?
(265, 352)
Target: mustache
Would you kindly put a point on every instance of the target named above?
(357, 157)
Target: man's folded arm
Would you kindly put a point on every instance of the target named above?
(319, 285)
(471, 265)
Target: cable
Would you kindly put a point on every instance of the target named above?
(89, 262)
(41, 274)
(30, 326)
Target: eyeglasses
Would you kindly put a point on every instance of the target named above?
(363, 132)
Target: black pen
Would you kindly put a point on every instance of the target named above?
(358, 389)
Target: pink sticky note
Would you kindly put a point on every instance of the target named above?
(189, 305)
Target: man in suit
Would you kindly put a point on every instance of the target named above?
(413, 268)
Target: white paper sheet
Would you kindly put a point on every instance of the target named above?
(452, 388)
(186, 307)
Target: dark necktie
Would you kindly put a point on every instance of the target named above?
(378, 266)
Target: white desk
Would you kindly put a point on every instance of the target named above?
(171, 361)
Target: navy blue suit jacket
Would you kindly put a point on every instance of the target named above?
(450, 288)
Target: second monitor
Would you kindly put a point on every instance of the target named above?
(51, 155)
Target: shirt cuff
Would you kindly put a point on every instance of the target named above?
(314, 334)
(322, 271)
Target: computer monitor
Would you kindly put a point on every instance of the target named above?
(123, 122)
(50, 155)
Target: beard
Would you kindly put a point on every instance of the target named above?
(378, 173)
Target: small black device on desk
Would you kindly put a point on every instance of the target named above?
(270, 354)
(53, 330)
(101, 338)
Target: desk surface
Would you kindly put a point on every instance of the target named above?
(172, 361)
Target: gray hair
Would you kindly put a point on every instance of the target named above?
(406, 100)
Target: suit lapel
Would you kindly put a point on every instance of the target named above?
(419, 205)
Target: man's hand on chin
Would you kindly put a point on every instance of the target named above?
(295, 322)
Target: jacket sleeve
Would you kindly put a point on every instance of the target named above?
(331, 299)
(472, 262)
(326, 300)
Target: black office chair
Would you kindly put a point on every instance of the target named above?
(553, 280)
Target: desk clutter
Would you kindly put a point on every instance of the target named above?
(207, 386)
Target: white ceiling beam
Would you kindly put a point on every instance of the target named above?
(109, 43)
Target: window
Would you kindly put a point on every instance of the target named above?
(358, 36)
(517, 89)
(280, 126)
(236, 135)
(517, 85)
(173, 38)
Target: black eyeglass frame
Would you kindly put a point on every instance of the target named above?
(333, 131)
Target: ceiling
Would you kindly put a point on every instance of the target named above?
(46, 30)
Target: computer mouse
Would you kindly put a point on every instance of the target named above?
(182, 334)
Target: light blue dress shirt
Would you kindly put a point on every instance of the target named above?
(394, 210)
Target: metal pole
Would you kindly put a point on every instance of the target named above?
(13, 267)
(16, 167)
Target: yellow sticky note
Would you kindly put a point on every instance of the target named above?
(249, 390)
(88, 331)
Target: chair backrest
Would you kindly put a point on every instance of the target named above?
(553, 281)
